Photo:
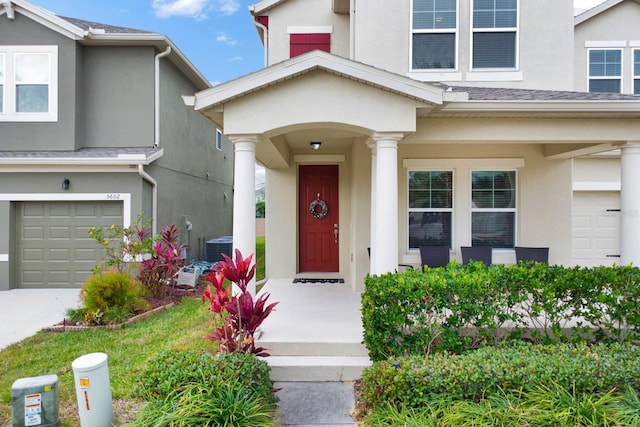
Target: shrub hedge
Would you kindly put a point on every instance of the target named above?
(461, 307)
(172, 370)
(413, 382)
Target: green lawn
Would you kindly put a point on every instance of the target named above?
(260, 258)
(128, 349)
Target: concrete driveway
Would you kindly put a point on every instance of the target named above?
(23, 312)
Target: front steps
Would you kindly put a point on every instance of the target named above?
(318, 361)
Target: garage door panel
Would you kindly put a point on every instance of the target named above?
(595, 228)
(59, 210)
(54, 247)
(60, 233)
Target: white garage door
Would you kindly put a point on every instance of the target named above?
(53, 245)
(596, 228)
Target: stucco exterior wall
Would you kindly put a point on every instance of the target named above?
(118, 96)
(544, 49)
(195, 179)
(309, 14)
(293, 102)
(596, 170)
(617, 27)
(33, 136)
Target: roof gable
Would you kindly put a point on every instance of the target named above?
(93, 33)
(597, 10)
(318, 60)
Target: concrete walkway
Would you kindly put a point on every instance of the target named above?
(23, 312)
(315, 404)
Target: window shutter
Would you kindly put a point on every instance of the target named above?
(302, 43)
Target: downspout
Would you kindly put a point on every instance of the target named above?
(265, 32)
(154, 198)
(352, 30)
(156, 142)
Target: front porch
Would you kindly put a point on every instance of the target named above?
(315, 332)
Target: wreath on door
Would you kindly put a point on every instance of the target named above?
(313, 208)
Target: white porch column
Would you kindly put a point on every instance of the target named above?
(372, 239)
(386, 203)
(244, 198)
(630, 205)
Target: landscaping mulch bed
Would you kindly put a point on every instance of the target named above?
(172, 296)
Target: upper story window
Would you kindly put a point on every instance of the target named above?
(605, 70)
(219, 139)
(28, 83)
(636, 71)
(434, 34)
(493, 208)
(430, 208)
(495, 29)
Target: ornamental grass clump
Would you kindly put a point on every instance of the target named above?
(240, 313)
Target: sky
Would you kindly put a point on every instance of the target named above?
(217, 36)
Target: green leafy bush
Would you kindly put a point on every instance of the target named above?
(110, 297)
(229, 404)
(173, 369)
(462, 307)
(414, 381)
(545, 406)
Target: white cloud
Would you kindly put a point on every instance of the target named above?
(227, 7)
(224, 38)
(187, 8)
(235, 59)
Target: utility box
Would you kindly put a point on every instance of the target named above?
(34, 402)
(93, 390)
(214, 248)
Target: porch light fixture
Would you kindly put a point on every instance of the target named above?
(65, 184)
(315, 144)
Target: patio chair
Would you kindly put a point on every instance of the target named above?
(525, 254)
(434, 256)
(476, 253)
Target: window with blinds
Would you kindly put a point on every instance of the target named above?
(434, 34)
(430, 208)
(605, 70)
(495, 30)
(493, 208)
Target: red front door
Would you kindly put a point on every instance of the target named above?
(318, 215)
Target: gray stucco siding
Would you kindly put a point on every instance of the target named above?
(34, 136)
(118, 96)
(193, 176)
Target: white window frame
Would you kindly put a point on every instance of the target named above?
(455, 31)
(514, 209)
(451, 209)
(620, 77)
(9, 113)
(218, 139)
(636, 73)
(2, 82)
(515, 30)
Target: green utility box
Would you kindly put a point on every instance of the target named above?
(34, 402)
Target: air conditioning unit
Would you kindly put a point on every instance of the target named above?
(214, 248)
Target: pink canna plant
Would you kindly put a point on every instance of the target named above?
(242, 315)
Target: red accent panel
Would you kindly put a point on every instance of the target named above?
(319, 248)
(264, 20)
(303, 43)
